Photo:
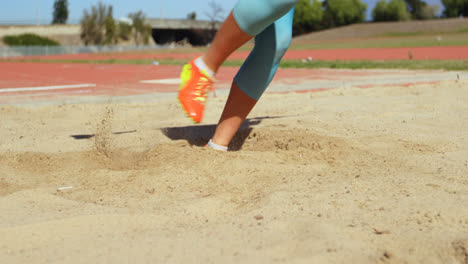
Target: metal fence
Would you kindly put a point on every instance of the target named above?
(19, 51)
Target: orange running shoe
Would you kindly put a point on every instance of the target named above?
(194, 90)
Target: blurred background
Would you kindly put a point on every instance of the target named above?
(146, 19)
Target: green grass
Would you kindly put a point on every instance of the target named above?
(106, 61)
(403, 34)
(160, 51)
(389, 40)
(29, 40)
(421, 33)
(460, 39)
(450, 65)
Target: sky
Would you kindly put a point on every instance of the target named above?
(31, 11)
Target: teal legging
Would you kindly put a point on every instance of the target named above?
(273, 34)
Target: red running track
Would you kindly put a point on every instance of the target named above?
(109, 79)
(114, 77)
(417, 53)
(121, 80)
(26, 82)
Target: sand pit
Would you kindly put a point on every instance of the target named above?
(350, 175)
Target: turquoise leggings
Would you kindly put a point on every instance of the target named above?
(270, 21)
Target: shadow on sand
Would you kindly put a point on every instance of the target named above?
(88, 136)
(199, 135)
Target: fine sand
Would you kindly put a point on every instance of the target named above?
(349, 175)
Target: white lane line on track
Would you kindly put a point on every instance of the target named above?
(163, 81)
(45, 88)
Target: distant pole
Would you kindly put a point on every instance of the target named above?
(37, 13)
(160, 10)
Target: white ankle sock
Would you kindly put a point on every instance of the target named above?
(216, 146)
(202, 66)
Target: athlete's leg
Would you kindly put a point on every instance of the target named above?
(228, 39)
(260, 67)
(254, 76)
(238, 106)
(249, 18)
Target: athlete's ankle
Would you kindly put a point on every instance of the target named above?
(202, 65)
(213, 145)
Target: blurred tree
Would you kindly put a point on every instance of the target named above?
(420, 10)
(343, 12)
(395, 10)
(111, 35)
(29, 39)
(429, 11)
(308, 16)
(215, 14)
(96, 24)
(192, 16)
(125, 30)
(379, 13)
(455, 8)
(60, 15)
(141, 30)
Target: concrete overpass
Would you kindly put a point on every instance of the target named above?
(195, 32)
(181, 24)
(164, 31)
